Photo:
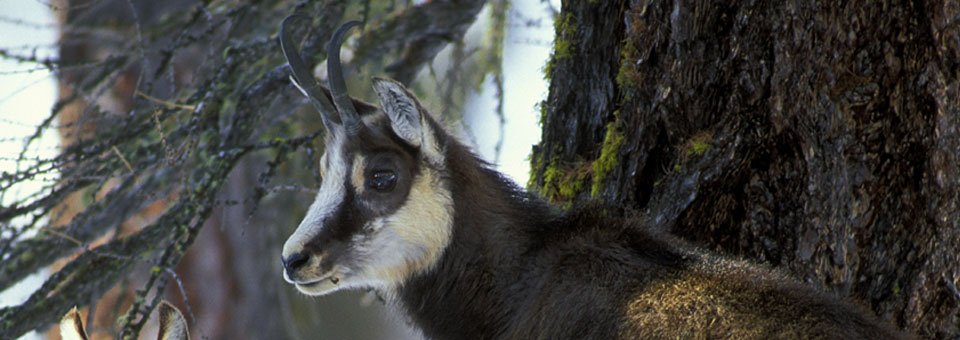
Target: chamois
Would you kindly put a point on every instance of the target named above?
(407, 209)
(172, 325)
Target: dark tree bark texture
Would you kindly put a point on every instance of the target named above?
(820, 137)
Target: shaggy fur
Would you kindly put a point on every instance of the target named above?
(517, 269)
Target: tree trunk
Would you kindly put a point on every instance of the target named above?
(818, 137)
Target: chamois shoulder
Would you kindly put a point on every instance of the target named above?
(600, 224)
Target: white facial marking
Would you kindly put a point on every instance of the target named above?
(328, 198)
(412, 239)
(392, 248)
(357, 178)
(397, 246)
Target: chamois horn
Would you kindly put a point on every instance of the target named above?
(338, 88)
(303, 78)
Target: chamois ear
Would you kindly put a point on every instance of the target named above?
(402, 108)
(172, 324)
(408, 119)
(71, 327)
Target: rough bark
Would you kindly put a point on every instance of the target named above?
(820, 137)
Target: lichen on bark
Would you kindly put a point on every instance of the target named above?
(789, 133)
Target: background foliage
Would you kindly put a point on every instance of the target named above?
(177, 120)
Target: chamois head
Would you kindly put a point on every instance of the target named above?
(384, 210)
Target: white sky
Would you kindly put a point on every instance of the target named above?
(26, 96)
(526, 49)
(27, 90)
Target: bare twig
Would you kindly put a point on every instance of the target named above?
(166, 103)
(123, 159)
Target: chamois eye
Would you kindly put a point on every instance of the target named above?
(382, 180)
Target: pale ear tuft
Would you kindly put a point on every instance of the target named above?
(402, 109)
(172, 324)
(71, 327)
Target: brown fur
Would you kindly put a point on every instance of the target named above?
(722, 298)
(506, 265)
(518, 269)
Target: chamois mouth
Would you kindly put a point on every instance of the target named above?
(313, 283)
(318, 288)
(326, 284)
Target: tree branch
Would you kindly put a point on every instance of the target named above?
(422, 30)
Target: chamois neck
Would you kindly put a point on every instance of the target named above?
(488, 202)
(467, 294)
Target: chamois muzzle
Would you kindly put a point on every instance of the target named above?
(303, 78)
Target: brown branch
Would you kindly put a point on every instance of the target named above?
(422, 31)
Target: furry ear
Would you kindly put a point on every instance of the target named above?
(172, 324)
(402, 108)
(408, 120)
(71, 327)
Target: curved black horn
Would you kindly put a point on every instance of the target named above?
(302, 76)
(338, 88)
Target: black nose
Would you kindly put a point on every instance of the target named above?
(295, 261)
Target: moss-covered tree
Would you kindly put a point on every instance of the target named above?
(819, 137)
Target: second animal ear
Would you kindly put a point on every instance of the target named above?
(402, 109)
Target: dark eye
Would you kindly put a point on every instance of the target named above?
(382, 180)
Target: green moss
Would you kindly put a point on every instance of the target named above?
(550, 175)
(562, 183)
(608, 157)
(624, 81)
(628, 76)
(699, 148)
(696, 146)
(564, 45)
(548, 69)
(563, 48)
(542, 106)
(625, 66)
(571, 185)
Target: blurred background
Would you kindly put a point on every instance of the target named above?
(166, 132)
